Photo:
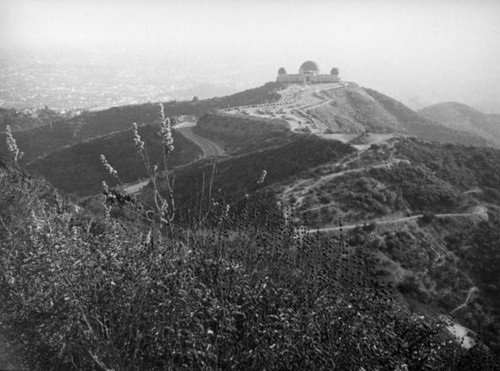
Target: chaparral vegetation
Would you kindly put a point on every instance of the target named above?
(229, 282)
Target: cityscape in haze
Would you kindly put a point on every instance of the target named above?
(98, 81)
(67, 54)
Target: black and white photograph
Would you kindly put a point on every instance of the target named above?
(249, 185)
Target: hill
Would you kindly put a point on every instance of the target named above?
(236, 176)
(77, 169)
(29, 119)
(465, 118)
(418, 126)
(345, 108)
(226, 292)
(420, 204)
(233, 269)
(50, 137)
(249, 121)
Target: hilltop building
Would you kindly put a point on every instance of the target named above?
(308, 73)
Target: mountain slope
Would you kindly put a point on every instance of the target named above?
(77, 169)
(242, 279)
(345, 108)
(421, 127)
(241, 123)
(48, 138)
(459, 116)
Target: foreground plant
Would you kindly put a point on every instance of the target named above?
(241, 292)
(12, 145)
(163, 208)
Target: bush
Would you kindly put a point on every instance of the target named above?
(239, 287)
(242, 294)
(427, 217)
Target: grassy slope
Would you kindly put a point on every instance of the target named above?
(78, 169)
(237, 176)
(419, 126)
(236, 133)
(460, 116)
(244, 295)
(74, 145)
(352, 110)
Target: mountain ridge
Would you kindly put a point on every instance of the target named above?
(465, 118)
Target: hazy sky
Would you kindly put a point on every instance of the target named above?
(421, 52)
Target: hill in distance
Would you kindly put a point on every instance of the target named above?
(264, 116)
(462, 117)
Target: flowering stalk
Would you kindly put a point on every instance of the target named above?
(12, 146)
(139, 144)
(166, 132)
(167, 214)
(262, 177)
(108, 167)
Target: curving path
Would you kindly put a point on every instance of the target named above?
(464, 304)
(479, 211)
(208, 147)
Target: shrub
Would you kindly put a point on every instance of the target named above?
(239, 288)
(427, 217)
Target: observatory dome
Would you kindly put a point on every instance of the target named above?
(281, 71)
(309, 67)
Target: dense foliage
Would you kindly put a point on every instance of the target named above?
(240, 175)
(241, 290)
(464, 167)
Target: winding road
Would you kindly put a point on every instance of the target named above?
(209, 148)
(479, 211)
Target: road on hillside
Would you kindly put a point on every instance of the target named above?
(208, 147)
(480, 210)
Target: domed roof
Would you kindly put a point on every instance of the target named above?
(281, 71)
(309, 67)
(334, 71)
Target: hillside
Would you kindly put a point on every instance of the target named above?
(236, 176)
(417, 244)
(242, 134)
(28, 119)
(249, 121)
(226, 293)
(465, 118)
(418, 126)
(418, 203)
(345, 108)
(421, 205)
(44, 139)
(77, 169)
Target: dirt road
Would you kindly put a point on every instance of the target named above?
(208, 147)
(479, 211)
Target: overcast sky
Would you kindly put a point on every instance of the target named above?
(421, 52)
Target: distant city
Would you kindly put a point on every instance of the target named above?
(37, 80)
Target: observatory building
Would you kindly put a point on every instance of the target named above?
(308, 73)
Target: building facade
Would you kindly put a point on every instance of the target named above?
(308, 73)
